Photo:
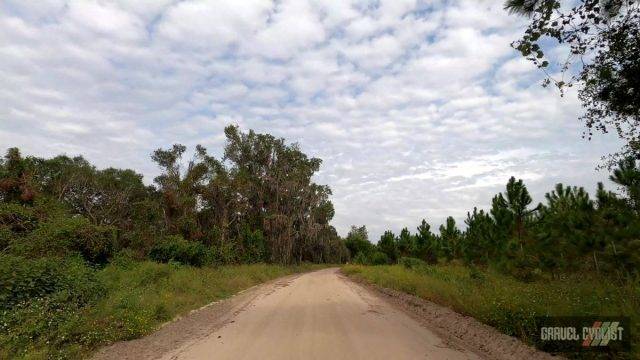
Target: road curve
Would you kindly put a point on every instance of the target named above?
(319, 315)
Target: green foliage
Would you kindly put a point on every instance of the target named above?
(63, 236)
(17, 218)
(255, 247)
(175, 248)
(46, 229)
(627, 175)
(411, 263)
(449, 241)
(569, 233)
(505, 303)
(406, 243)
(426, 243)
(361, 259)
(387, 245)
(22, 280)
(479, 243)
(258, 203)
(379, 258)
(602, 41)
(357, 241)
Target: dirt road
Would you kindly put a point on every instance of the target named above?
(320, 315)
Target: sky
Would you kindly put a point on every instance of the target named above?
(418, 109)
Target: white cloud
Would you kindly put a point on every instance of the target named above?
(291, 27)
(419, 109)
(211, 26)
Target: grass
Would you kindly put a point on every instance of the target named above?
(135, 298)
(506, 303)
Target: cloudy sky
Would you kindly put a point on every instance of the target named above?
(418, 109)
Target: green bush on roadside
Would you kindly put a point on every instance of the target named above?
(361, 259)
(411, 263)
(175, 248)
(22, 280)
(58, 235)
(379, 258)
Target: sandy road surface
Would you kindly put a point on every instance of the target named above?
(319, 315)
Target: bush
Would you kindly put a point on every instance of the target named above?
(254, 246)
(6, 236)
(175, 248)
(411, 263)
(223, 253)
(22, 280)
(361, 259)
(17, 218)
(520, 267)
(379, 258)
(66, 235)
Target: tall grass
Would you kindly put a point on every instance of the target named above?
(508, 304)
(135, 298)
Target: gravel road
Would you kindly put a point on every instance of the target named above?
(322, 315)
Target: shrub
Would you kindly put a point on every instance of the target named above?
(361, 259)
(476, 274)
(411, 263)
(254, 246)
(175, 248)
(64, 236)
(22, 280)
(223, 253)
(379, 258)
(17, 218)
(6, 236)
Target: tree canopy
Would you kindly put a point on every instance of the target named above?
(257, 203)
(602, 39)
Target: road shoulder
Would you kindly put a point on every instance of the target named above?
(179, 333)
(456, 329)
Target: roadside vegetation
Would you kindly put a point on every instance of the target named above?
(81, 308)
(508, 304)
(572, 255)
(570, 233)
(90, 256)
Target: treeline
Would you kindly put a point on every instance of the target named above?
(255, 204)
(570, 232)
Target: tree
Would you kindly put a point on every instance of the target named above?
(387, 245)
(603, 38)
(405, 243)
(518, 199)
(273, 191)
(478, 244)
(503, 222)
(618, 226)
(180, 191)
(565, 232)
(15, 184)
(627, 175)
(425, 243)
(357, 241)
(449, 239)
(257, 203)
